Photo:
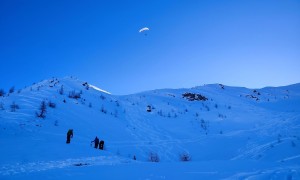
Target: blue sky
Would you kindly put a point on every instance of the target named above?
(239, 43)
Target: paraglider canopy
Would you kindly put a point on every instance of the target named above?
(144, 29)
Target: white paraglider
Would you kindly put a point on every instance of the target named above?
(144, 30)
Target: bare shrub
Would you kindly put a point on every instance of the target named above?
(51, 104)
(61, 90)
(185, 156)
(1, 106)
(12, 89)
(153, 157)
(14, 107)
(75, 95)
(2, 92)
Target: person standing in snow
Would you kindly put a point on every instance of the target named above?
(96, 141)
(69, 135)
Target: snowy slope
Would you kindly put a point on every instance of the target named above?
(224, 133)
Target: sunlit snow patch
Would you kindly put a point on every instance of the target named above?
(98, 89)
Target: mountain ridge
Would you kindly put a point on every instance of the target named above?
(260, 125)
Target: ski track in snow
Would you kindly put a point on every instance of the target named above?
(156, 141)
(253, 150)
(273, 173)
(11, 169)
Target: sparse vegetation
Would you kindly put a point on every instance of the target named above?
(160, 112)
(204, 125)
(103, 109)
(75, 95)
(12, 90)
(2, 92)
(153, 157)
(185, 156)
(1, 106)
(117, 103)
(293, 144)
(43, 110)
(56, 123)
(51, 104)
(207, 108)
(116, 114)
(221, 116)
(61, 90)
(222, 86)
(102, 97)
(14, 107)
(279, 138)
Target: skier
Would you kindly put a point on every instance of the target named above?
(69, 135)
(101, 145)
(96, 141)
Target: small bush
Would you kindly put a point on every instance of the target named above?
(185, 156)
(103, 110)
(204, 125)
(153, 157)
(207, 108)
(102, 97)
(51, 104)
(1, 106)
(75, 95)
(14, 107)
(2, 92)
(56, 123)
(293, 144)
(61, 90)
(12, 89)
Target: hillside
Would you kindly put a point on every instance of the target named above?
(209, 132)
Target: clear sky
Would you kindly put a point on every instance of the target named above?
(252, 43)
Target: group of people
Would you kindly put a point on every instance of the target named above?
(96, 141)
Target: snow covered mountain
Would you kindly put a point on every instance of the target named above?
(206, 132)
